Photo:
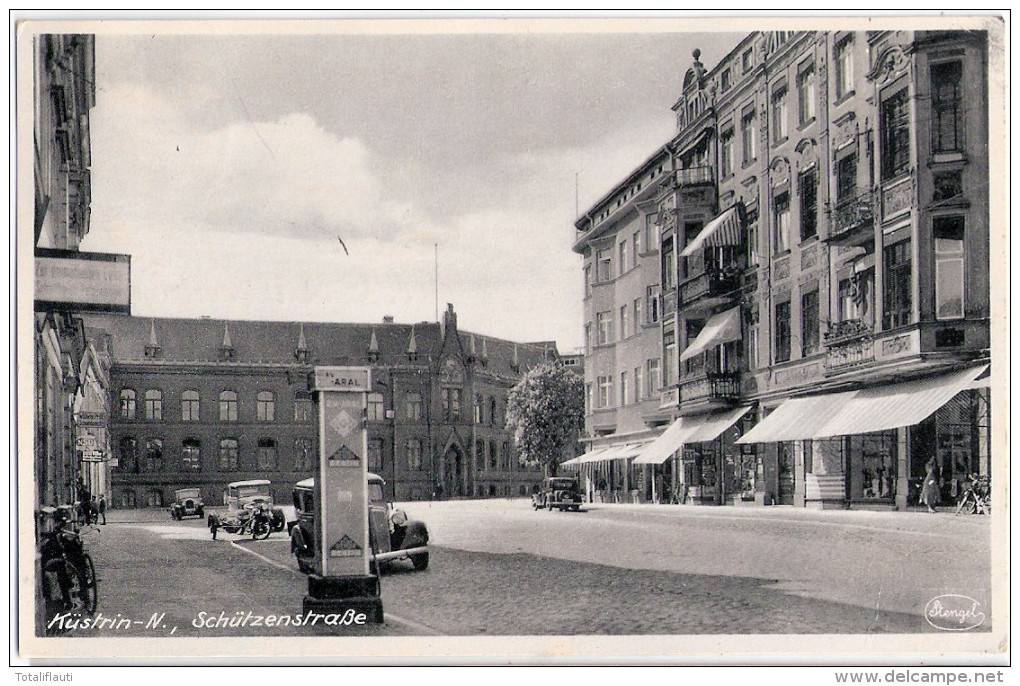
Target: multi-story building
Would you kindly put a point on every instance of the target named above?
(824, 272)
(203, 402)
(71, 408)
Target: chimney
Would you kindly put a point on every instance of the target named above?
(387, 319)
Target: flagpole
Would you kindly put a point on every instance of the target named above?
(437, 281)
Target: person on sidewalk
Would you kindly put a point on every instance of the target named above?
(930, 490)
(93, 506)
(102, 507)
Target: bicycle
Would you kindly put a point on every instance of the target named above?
(69, 582)
(977, 498)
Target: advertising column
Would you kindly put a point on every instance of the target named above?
(344, 584)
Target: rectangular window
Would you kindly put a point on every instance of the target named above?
(854, 296)
(669, 358)
(376, 413)
(228, 406)
(947, 107)
(605, 391)
(652, 296)
(636, 243)
(779, 115)
(651, 232)
(154, 455)
(781, 222)
(726, 154)
(623, 388)
(846, 179)
(127, 404)
(624, 322)
(413, 453)
(265, 406)
(604, 322)
(654, 381)
(808, 187)
(587, 338)
(896, 300)
(304, 454)
(747, 60)
(604, 265)
(637, 314)
(844, 68)
(809, 324)
(752, 347)
(412, 403)
(266, 455)
(895, 135)
(191, 455)
(623, 256)
(782, 332)
(451, 398)
(752, 244)
(725, 81)
(949, 267)
(639, 380)
(668, 264)
(588, 397)
(747, 134)
(587, 280)
(806, 95)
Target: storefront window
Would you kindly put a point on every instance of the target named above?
(873, 466)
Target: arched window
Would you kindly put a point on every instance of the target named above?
(155, 498)
(191, 460)
(266, 406)
(413, 454)
(304, 457)
(128, 401)
(154, 405)
(492, 411)
(127, 499)
(154, 455)
(189, 406)
(228, 454)
(480, 455)
(304, 408)
(128, 455)
(375, 454)
(267, 455)
(228, 406)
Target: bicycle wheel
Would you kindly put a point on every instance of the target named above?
(90, 586)
(64, 588)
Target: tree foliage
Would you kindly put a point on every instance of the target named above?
(545, 412)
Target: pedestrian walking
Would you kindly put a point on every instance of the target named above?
(102, 507)
(930, 489)
(93, 506)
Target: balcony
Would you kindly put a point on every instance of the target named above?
(849, 344)
(713, 286)
(710, 388)
(695, 176)
(853, 222)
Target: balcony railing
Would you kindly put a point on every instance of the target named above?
(695, 176)
(712, 282)
(713, 386)
(852, 221)
(848, 344)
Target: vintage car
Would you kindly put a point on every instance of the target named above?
(241, 498)
(187, 503)
(392, 535)
(559, 492)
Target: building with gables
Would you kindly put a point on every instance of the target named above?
(820, 285)
(202, 402)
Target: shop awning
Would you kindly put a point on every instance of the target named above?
(720, 328)
(692, 429)
(667, 443)
(723, 230)
(711, 425)
(880, 408)
(901, 404)
(581, 459)
(797, 418)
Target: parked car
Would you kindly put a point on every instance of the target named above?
(391, 534)
(241, 498)
(187, 503)
(559, 492)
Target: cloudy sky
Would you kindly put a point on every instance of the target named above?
(228, 165)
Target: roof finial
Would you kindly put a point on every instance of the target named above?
(373, 345)
(412, 346)
(302, 344)
(226, 336)
(152, 334)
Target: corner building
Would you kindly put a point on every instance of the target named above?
(823, 273)
(201, 403)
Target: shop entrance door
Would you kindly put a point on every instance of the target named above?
(786, 479)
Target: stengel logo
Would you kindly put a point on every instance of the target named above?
(953, 612)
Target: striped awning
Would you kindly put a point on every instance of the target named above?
(581, 459)
(691, 429)
(880, 408)
(720, 328)
(723, 230)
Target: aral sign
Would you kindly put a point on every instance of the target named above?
(66, 280)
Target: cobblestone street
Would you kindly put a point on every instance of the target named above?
(498, 568)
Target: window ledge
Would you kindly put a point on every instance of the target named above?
(846, 96)
(805, 124)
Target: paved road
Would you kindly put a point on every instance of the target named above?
(499, 568)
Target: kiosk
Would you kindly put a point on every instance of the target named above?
(346, 583)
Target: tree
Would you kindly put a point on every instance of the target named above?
(545, 412)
